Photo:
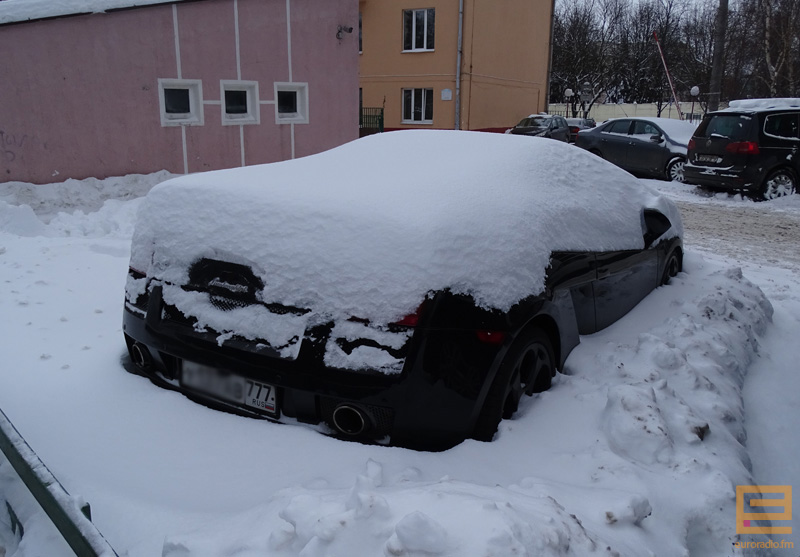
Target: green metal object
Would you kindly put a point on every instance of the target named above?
(74, 524)
(371, 119)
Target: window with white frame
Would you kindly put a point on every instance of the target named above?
(291, 103)
(418, 106)
(181, 102)
(239, 102)
(418, 29)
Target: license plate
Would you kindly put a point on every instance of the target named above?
(229, 387)
(708, 158)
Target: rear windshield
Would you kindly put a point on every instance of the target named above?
(535, 122)
(732, 126)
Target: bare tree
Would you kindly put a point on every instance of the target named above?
(718, 62)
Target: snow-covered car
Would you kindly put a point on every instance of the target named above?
(654, 147)
(406, 288)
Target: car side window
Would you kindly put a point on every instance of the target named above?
(655, 225)
(782, 125)
(645, 128)
(619, 126)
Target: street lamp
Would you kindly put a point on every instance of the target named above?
(568, 94)
(694, 91)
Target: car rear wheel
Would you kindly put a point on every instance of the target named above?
(675, 170)
(527, 368)
(778, 184)
(672, 268)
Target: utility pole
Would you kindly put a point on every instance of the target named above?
(715, 87)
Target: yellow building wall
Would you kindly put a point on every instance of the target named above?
(504, 63)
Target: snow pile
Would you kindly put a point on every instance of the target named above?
(647, 454)
(90, 207)
(24, 10)
(370, 228)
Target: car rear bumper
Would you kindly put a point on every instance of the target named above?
(418, 408)
(729, 179)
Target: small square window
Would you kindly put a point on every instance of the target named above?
(181, 102)
(235, 102)
(176, 101)
(291, 103)
(239, 102)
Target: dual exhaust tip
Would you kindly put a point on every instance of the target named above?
(351, 420)
(141, 356)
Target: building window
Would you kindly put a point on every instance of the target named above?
(239, 102)
(291, 103)
(181, 102)
(418, 29)
(418, 106)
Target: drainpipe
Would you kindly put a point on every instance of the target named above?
(550, 60)
(458, 62)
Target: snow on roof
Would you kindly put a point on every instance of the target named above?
(762, 104)
(368, 229)
(12, 11)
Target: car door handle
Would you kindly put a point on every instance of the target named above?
(603, 272)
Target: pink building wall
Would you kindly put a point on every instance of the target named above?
(79, 95)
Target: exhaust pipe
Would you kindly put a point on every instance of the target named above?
(141, 356)
(350, 420)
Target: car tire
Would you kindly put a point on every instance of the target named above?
(673, 266)
(674, 170)
(528, 367)
(779, 183)
(596, 153)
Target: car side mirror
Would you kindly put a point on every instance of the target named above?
(656, 138)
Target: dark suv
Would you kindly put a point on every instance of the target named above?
(751, 147)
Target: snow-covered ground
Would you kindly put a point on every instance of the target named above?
(635, 450)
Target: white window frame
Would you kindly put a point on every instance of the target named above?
(413, 31)
(426, 91)
(299, 117)
(253, 114)
(195, 115)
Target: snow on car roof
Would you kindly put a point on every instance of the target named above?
(24, 10)
(369, 228)
(763, 104)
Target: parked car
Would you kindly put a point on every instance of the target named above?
(578, 124)
(653, 147)
(750, 147)
(412, 302)
(543, 125)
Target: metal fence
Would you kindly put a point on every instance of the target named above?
(73, 522)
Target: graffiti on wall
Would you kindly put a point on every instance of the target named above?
(13, 145)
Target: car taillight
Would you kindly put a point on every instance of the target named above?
(491, 337)
(574, 130)
(692, 144)
(412, 319)
(743, 148)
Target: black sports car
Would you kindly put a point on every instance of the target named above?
(406, 288)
